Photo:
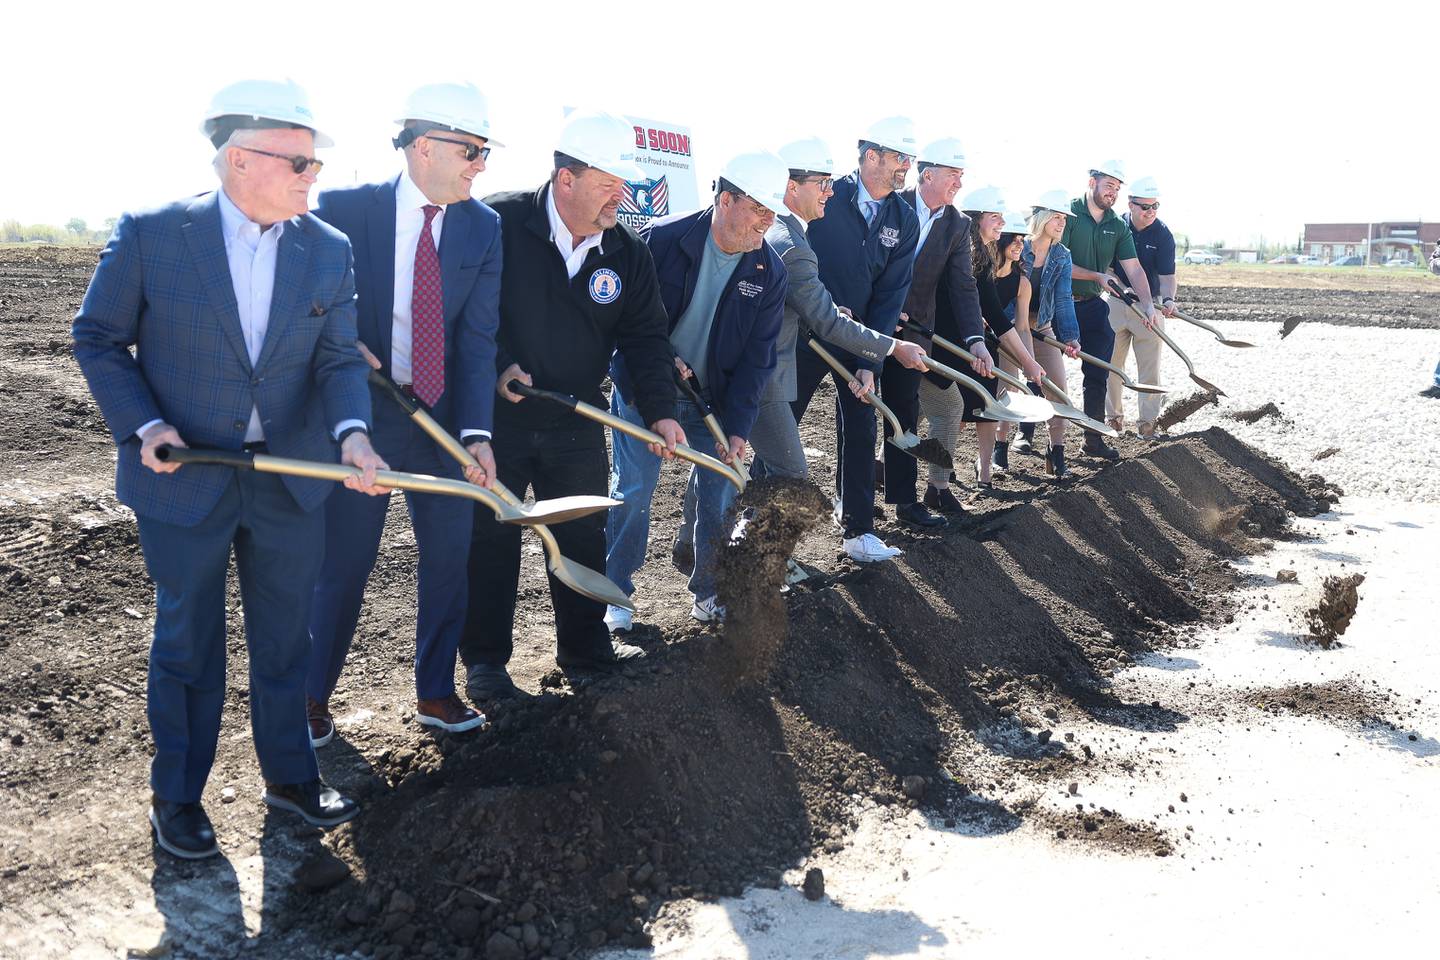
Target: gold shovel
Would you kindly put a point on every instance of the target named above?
(712, 423)
(1062, 401)
(1212, 329)
(591, 412)
(930, 450)
(1103, 364)
(1063, 409)
(578, 577)
(1130, 298)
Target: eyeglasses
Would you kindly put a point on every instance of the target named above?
(826, 183)
(297, 163)
(1147, 207)
(472, 150)
(904, 157)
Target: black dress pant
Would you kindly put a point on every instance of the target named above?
(854, 438)
(557, 463)
(900, 389)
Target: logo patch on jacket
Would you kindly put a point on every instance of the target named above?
(604, 285)
(748, 289)
(889, 236)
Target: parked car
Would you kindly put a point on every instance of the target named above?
(1202, 256)
(1284, 258)
(1353, 260)
(1307, 260)
(1399, 262)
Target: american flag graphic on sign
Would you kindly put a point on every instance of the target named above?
(646, 198)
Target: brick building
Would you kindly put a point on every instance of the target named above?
(1413, 240)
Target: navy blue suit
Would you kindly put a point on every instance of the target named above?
(163, 287)
(867, 268)
(470, 259)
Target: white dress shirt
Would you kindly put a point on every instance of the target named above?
(564, 240)
(927, 219)
(410, 203)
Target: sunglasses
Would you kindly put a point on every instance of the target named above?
(826, 183)
(904, 157)
(297, 163)
(1147, 207)
(472, 150)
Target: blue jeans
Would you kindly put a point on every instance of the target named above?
(633, 479)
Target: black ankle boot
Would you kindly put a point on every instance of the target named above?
(1000, 459)
(1055, 462)
(1095, 446)
(1025, 442)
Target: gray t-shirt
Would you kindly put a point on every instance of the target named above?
(691, 336)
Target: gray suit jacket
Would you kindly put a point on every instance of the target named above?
(808, 304)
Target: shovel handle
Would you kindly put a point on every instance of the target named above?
(1130, 301)
(712, 422)
(1045, 381)
(1005, 378)
(592, 412)
(869, 398)
(1088, 358)
(238, 459)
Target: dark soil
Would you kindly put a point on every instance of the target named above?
(571, 817)
(1331, 617)
(1346, 308)
(1267, 409)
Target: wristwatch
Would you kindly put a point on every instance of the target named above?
(349, 430)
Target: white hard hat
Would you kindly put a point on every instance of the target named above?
(602, 140)
(762, 176)
(1110, 168)
(1015, 222)
(458, 106)
(811, 155)
(1145, 187)
(984, 200)
(946, 152)
(259, 104)
(1055, 200)
(894, 133)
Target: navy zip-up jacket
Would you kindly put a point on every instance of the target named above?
(867, 269)
(747, 316)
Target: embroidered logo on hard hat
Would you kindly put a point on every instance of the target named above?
(889, 236)
(604, 285)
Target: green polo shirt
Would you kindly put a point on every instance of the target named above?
(1095, 246)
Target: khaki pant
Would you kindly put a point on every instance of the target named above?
(1130, 330)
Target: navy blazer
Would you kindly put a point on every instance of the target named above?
(163, 287)
(470, 261)
(866, 267)
(747, 317)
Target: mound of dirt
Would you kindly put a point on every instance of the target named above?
(1331, 617)
(1342, 702)
(567, 821)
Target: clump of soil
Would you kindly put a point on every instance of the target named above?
(1327, 453)
(1331, 617)
(1340, 701)
(751, 569)
(1259, 413)
(1106, 828)
(933, 451)
(1185, 407)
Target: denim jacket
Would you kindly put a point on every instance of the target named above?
(1057, 304)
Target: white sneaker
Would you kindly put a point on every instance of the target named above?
(618, 619)
(868, 548)
(707, 610)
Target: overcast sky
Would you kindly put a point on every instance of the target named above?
(1254, 117)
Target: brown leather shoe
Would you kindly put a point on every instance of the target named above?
(322, 725)
(1116, 423)
(448, 713)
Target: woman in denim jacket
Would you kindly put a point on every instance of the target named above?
(1046, 302)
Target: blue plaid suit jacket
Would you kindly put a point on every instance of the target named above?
(163, 287)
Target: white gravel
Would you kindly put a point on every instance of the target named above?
(1356, 388)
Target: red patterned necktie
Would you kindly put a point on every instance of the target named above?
(427, 318)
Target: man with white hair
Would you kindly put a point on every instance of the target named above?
(1155, 251)
(239, 305)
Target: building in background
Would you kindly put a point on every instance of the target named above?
(1376, 242)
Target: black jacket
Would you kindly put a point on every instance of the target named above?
(562, 331)
(741, 358)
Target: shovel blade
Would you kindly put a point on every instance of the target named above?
(904, 440)
(1017, 407)
(561, 509)
(589, 583)
(1234, 343)
(1079, 418)
(1207, 385)
(1147, 387)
